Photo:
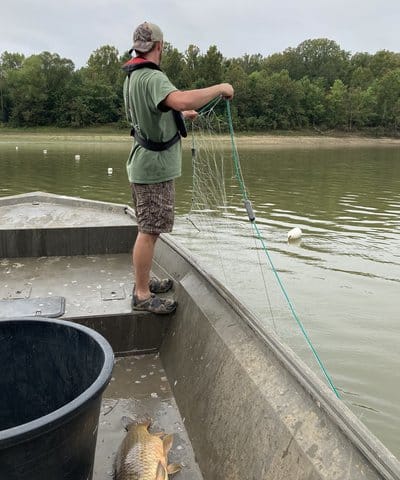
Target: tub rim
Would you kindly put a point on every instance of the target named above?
(39, 426)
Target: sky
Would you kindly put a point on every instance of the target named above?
(75, 28)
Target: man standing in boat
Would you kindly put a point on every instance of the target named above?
(155, 108)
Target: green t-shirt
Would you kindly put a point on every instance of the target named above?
(147, 89)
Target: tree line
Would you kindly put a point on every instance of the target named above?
(314, 85)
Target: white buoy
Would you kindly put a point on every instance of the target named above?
(16, 148)
(77, 157)
(45, 152)
(294, 234)
(109, 170)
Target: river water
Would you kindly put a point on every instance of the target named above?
(342, 279)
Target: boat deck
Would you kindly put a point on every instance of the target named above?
(91, 284)
(36, 211)
(94, 290)
(139, 389)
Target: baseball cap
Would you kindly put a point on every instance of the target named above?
(144, 37)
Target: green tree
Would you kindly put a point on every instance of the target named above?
(275, 101)
(235, 75)
(288, 60)
(94, 102)
(258, 100)
(173, 64)
(383, 62)
(387, 91)
(8, 62)
(251, 63)
(38, 89)
(100, 93)
(57, 75)
(361, 77)
(104, 65)
(337, 105)
(28, 94)
(321, 58)
(190, 71)
(210, 67)
(312, 101)
(361, 106)
(317, 83)
(285, 101)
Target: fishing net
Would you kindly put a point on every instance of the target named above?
(218, 229)
(217, 226)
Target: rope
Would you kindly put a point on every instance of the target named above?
(247, 204)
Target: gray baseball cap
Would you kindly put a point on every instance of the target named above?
(144, 37)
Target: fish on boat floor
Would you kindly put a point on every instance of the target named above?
(138, 389)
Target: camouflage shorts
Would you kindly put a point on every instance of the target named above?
(154, 206)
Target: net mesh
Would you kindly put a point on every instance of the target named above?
(219, 219)
(221, 233)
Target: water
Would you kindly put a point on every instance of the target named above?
(343, 278)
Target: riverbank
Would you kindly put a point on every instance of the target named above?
(244, 140)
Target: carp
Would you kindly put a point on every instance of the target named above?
(142, 455)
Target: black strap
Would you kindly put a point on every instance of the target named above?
(178, 117)
(155, 146)
(180, 123)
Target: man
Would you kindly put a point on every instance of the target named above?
(153, 105)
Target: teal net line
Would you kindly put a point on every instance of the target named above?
(208, 181)
(247, 204)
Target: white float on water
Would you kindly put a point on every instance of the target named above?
(16, 148)
(109, 170)
(77, 157)
(294, 234)
(45, 152)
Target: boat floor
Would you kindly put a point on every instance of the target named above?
(101, 285)
(140, 389)
(91, 284)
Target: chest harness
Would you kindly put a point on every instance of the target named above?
(129, 67)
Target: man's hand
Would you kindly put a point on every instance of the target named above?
(189, 114)
(226, 90)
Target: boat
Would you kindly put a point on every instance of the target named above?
(240, 403)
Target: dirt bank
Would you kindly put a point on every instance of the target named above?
(242, 140)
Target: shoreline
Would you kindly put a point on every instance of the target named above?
(265, 140)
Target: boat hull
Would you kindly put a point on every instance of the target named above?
(251, 408)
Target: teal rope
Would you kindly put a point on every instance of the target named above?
(210, 105)
(239, 176)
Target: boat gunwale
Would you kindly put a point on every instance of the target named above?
(359, 435)
(59, 199)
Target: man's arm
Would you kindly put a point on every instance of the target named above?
(183, 100)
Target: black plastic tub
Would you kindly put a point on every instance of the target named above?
(53, 374)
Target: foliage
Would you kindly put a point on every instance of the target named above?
(316, 84)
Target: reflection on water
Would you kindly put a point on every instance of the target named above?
(343, 277)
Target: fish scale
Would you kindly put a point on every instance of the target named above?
(142, 455)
